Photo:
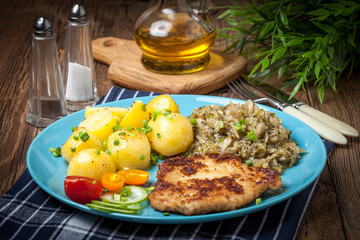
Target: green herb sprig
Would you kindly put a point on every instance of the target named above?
(306, 41)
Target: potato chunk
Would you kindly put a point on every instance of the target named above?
(118, 112)
(171, 135)
(75, 143)
(129, 149)
(91, 163)
(135, 116)
(162, 103)
(100, 123)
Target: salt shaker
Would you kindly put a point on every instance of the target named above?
(46, 92)
(79, 76)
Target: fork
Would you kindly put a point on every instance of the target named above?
(239, 87)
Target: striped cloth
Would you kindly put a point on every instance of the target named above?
(28, 212)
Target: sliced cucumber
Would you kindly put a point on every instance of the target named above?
(111, 209)
(138, 194)
(128, 205)
(135, 206)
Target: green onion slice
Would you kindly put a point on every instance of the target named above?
(249, 162)
(193, 121)
(84, 136)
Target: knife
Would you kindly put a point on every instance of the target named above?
(332, 122)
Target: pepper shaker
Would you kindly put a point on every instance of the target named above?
(46, 92)
(79, 77)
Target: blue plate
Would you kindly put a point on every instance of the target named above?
(49, 172)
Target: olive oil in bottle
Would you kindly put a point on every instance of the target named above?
(174, 39)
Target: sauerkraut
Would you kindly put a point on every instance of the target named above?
(244, 130)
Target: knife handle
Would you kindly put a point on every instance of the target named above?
(338, 125)
(320, 128)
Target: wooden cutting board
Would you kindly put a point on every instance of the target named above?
(124, 58)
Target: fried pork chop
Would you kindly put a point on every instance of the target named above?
(200, 185)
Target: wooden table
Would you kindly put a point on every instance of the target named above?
(333, 212)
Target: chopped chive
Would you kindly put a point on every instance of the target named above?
(169, 117)
(97, 151)
(116, 127)
(158, 135)
(221, 140)
(123, 115)
(212, 116)
(73, 128)
(143, 107)
(116, 197)
(150, 189)
(142, 157)
(249, 162)
(146, 128)
(242, 130)
(131, 135)
(258, 201)
(156, 113)
(166, 214)
(73, 149)
(116, 142)
(193, 121)
(242, 121)
(153, 159)
(167, 112)
(108, 152)
(251, 135)
(221, 124)
(122, 133)
(186, 154)
(125, 191)
(138, 129)
(84, 136)
(104, 143)
(160, 157)
(128, 128)
(76, 137)
(55, 152)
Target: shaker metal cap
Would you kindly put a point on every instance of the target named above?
(77, 13)
(43, 27)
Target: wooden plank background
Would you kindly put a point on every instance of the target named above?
(333, 212)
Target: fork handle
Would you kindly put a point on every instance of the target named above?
(338, 125)
(320, 128)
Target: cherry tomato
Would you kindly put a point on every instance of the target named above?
(112, 181)
(134, 176)
(82, 189)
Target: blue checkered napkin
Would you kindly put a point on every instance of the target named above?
(28, 212)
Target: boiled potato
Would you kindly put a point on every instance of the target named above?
(91, 163)
(135, 116)
(162, 103)
(171, 135)
(129, 149)
(75, 144)
(118, 112)
(100, 123)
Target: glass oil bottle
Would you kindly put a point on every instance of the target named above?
(175, 38)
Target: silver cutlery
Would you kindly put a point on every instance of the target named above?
(281, 96)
